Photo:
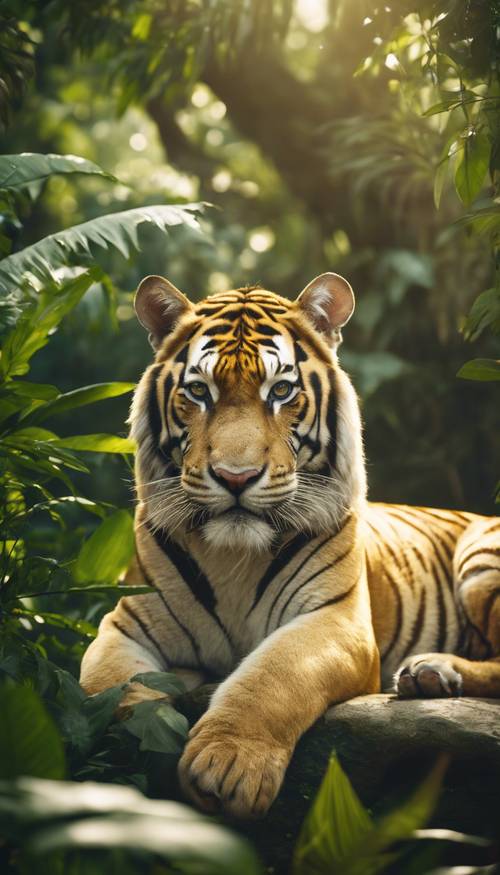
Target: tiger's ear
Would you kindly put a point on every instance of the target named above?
(159, 306)
(328, 302)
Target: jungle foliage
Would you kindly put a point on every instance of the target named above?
(342, 135)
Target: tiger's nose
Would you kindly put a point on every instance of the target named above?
(236, 480)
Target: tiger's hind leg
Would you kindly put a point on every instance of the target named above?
(476, 567)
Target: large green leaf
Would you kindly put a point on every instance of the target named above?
(46, 815)
(472, 166)
(96, 443)
(480, 369)
(107, 553)
(29, 741)
(17, 171)
(116, 231)
(79, 398)
(335, 828)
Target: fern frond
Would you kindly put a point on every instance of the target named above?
(115, 230)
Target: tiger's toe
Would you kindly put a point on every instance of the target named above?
(427, 677)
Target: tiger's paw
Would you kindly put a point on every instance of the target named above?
(429, 676)
(223, 771)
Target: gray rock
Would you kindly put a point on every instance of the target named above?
(387, 746)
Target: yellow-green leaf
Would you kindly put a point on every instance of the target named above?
(108, 552)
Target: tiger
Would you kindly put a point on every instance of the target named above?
(270, 571)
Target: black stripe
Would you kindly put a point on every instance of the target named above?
(331, 419)
(399, 613)
(221, 328)
(447, 570)
(300, 567)
(147, 634)
(189, 635)
(333, 601)
(154, 416)
(127, 634)
(490, 601)
(490, 551)
(441, 609)
(191, 574)
(309, 579)
(417, 626)
(477, 569)
(286, 554)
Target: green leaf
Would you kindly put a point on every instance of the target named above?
(159, 727)
(59, 621)
(335, 827)
(32, 391)
(44, 816)
(480, 369)
(111, 589)
(96, 443)
(116, 230)
(165, 682)
(79, 398)
(338, 834)
(485, 220)
(142, 26)
(100, 710)
(108, 552)
(34, 326)
(17, 171)
(484, 313)
(29, 741)
(472, 166)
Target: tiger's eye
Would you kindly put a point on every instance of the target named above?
(198, 389)
(282, 390)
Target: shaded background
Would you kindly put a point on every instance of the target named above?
(316, 155)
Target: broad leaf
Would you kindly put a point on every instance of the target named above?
(480, 369)
(79, 398)
(108, 552)
(29, 741)
(335, 828)
(48, 815)
(159, 727)
(96, 443)
(17, 171)
(165, 682)
(472, 166)
(116, 231)
(484, 313)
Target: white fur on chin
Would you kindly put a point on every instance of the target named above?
(237, 530)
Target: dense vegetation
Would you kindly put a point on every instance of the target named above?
(353, 137)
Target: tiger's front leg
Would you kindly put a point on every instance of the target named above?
(238, 752)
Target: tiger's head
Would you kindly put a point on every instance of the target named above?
(245, 424)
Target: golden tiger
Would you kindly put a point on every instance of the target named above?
(270, 569)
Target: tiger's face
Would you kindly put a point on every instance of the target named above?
(239, 421)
